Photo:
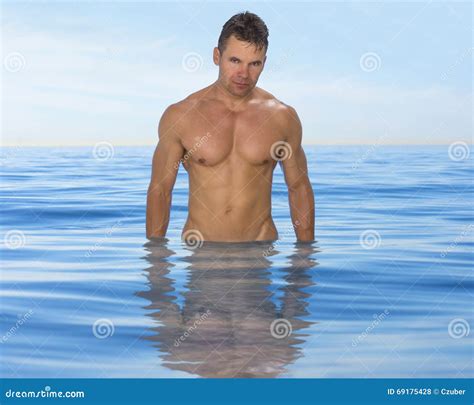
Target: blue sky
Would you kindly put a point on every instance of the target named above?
(77, 73)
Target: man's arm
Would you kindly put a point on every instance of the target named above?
(295, 170)
(166, 160)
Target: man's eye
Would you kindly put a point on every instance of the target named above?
(233, 60)
(256, 63)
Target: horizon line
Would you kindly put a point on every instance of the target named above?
(375, 144)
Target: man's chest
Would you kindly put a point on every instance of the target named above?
(212, 138)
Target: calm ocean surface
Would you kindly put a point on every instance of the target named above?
(386, 291)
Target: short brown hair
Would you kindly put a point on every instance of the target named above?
(247, 27)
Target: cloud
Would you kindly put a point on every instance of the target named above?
(78, 88)
(344, 110)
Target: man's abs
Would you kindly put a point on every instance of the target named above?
(217, 215)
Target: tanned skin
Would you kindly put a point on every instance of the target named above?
(229, 137)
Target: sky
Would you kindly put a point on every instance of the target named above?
(78, 73)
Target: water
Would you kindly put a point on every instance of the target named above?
(386, 291)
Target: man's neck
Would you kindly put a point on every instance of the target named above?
(231, 101)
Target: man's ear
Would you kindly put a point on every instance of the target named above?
(216, 56)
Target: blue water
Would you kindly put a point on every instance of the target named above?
(386, 291)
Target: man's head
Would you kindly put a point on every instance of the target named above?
(241, 53)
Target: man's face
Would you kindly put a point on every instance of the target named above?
(240, 66)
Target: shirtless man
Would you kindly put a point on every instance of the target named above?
(229, 137)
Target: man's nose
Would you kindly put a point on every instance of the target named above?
(244, 72)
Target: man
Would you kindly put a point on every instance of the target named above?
(229, 137)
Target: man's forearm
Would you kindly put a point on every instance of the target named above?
(301, 199)
(157, 212)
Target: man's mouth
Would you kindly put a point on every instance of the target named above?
(241, 84)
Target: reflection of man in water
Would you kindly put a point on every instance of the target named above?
(229, 137)
(237, 319)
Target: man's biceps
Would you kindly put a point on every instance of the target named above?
(171, 162)
(295, 180)
(289, 164)
(165, 169)
(289, 171)
(170, 152)
(294, 168)
(163, 177)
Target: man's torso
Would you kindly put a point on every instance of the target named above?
(228, 157)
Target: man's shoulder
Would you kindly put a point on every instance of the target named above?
(283, 113)
(172, 119)
(284, 117)
(178, 108)
(176, 114)
(280, 108)
(182, 108)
